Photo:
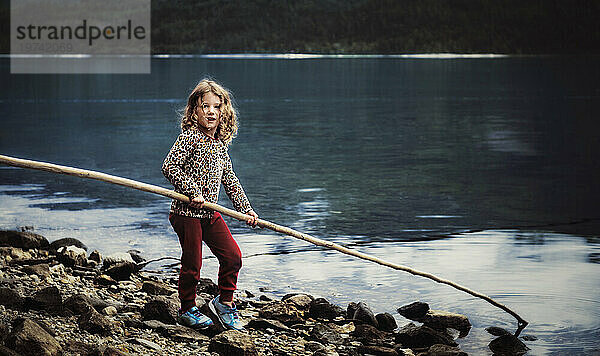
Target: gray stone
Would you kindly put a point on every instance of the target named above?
(42, 270)
(414, 311)
(30, 339)
(314, 346)
(110, 311)
(146, 343)
(326, 334)
(155, 324)
(300, 301)
(95, 323)
(182, 334)
(364, 314)
(386, 321)
(413, 336)
(162, 309)
(118, 257)
(65, 242)
(508, 345)
(25, 240)
(445, 350)
(232, 343)
(284, 312)
(320, 308)
(157, 288)
(71, 256)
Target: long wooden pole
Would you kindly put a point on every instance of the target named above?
(83, 173)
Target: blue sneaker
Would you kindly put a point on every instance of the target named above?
(194, 319)
(227, 316)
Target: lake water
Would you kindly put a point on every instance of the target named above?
(479, 170)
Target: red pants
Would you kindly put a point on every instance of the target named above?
(215, 233)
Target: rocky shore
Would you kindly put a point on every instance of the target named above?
(56, 299)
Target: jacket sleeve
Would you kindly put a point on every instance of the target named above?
(233, 188)
(172, 167)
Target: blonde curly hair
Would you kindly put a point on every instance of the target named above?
(228, 126)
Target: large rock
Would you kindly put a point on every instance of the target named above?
(508, 345)
(364, 314)
(121, 271)
(136, 256)
(260, 323)
(3, 332)
(326, 334)
(76, 347)
(42, 270)
(377, 350)
(48, 299)
(105, 280)
(157, 288)
(25, 240)
(78, 304)
(183, 334)
(28, 338)
(445, 350)
(232, 343)
(5, 351)
(10, 298)
(413, 336)
(66, 242)
(300, 301)
(320, 308)
(497, 331)
(71, 256)
(118, 257)
(440, 320)
(162, 309)
(351, 309)
(284, 312)
(386, 321)
(206, 285)
(95, 256)
(95, 323)
(414, 311)
(367, 332)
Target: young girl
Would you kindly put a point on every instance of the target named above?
(197, 164)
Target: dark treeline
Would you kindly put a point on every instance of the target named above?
(370, 26)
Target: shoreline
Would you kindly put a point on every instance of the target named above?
(89, 305)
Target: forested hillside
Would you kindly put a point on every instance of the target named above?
(369, 26)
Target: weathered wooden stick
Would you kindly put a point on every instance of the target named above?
(17, 162)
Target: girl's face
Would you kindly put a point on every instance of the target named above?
(209, 112)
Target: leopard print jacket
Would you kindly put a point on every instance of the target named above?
(198, 164)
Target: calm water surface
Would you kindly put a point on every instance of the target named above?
(483, 171)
